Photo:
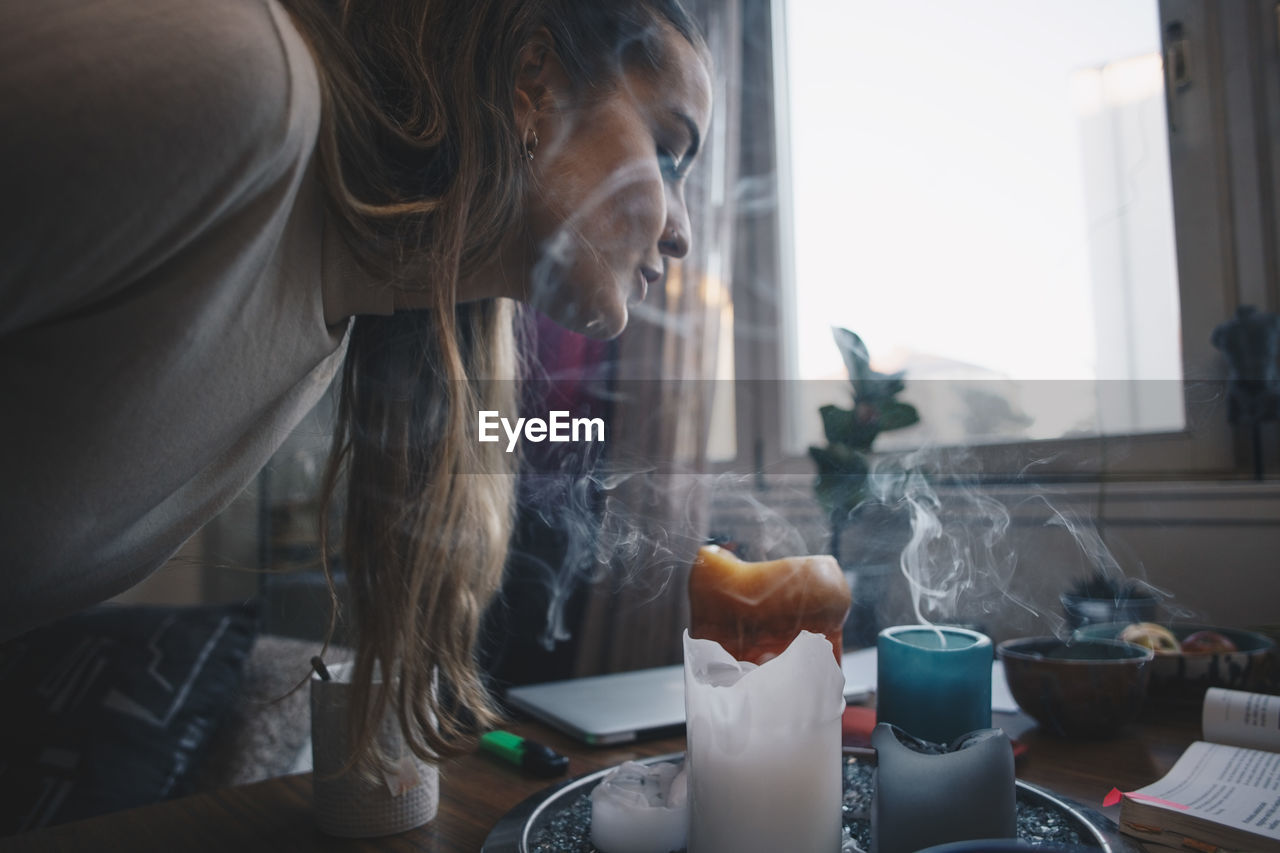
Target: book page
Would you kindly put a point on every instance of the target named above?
(1239, 718)
(1229, 785)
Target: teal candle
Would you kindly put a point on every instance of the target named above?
(934, 683)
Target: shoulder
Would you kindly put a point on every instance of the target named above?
(239, 72)
(214, 65)
(132, 124)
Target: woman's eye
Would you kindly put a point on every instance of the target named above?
(671, 167)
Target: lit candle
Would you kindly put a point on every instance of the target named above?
(763, 754)
(755, 610)
(934, 683)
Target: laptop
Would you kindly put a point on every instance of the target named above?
(627, 706)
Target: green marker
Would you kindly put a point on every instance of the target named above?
(529, 755)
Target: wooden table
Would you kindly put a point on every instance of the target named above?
(477, 790)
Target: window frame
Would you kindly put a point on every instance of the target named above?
(1225, 159)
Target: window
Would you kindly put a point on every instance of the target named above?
(1023, 205)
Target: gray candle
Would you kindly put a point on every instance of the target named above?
(927, 793)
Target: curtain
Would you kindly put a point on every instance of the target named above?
(654, 488)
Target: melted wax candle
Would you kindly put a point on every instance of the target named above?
(640, 808)
(755, 610)
(763, 757)
(928, 793)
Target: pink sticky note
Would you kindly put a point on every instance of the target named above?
(1113, 799)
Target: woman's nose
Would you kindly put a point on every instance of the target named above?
(674, 242)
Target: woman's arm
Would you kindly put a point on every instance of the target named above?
(160, 313)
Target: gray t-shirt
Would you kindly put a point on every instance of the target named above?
(171, 299)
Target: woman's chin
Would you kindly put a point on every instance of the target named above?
(602, 317)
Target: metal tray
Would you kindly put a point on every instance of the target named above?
(514, 832)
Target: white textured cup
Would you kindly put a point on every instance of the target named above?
(348, 804)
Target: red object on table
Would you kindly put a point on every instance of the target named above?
(855, 728)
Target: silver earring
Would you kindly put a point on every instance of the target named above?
(530, 143)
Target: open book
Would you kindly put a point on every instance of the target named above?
(1224, 792)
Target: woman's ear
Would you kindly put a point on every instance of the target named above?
(540, 78)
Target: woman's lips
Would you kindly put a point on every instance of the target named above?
(647, 276)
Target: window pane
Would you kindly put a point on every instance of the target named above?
(981, 191)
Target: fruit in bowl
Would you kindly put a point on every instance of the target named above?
(1207, 642)
(1206, 656)
(1149, 635)
(1162, 641)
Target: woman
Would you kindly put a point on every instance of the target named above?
(207, 194)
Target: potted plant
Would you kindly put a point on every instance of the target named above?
(1102, 597)
(843, 482)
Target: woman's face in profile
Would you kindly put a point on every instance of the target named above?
(610, 201)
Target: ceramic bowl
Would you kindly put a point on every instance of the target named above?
(1083, 688)
(1187, 675)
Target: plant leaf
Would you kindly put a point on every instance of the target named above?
(842, 477)
(838, 424)
(897, 415)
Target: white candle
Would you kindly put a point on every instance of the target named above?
(764, 757)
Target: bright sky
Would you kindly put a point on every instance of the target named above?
(939, 203)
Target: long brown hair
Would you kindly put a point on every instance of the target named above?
(425, 174)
